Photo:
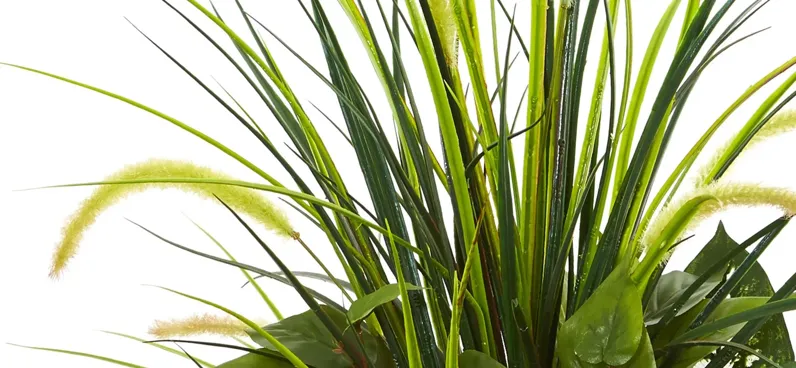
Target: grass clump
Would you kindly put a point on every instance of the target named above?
(535, 237)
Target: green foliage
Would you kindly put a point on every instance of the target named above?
(544, 251)
(253, 360)
(673, 286)
(773, 339)
(363, 306)
(608, 328)
(308, 338)
(477, 359)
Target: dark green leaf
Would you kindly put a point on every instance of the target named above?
(728, 307)
(671, 287)
(252, 360)
(734, 346)
(308, 338)
(362, 307)
(477, 359)
(607, 328)
(644, 356)
(773, 338)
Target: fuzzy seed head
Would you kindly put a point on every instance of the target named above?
(726, 195)
(243, 200)
(205, 324)
(780, 123)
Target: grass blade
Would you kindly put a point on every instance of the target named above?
(164, 348)
(86, 355)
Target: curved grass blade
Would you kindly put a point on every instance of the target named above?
(363, 306)
(268, 188)
(263, 352)
(732, 345)
(242, 266)
(104, 197)
(275, 105)
(738, 274)
(159, 114)
(675, 178)
(621, 215)
(750, 329)
(412, 347)
(86, 355)
(717, 266)
(762, 311)
(353, 348)
(257, 287)
(279, 347)
(188, 355)
(311, 275)
(163, 347)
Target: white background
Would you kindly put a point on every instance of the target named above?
(52, 133)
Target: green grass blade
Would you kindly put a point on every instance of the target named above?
(717, 266)
(279, 347)
(506, 228)
(164, 348)
(86, 355)
(254, 283)
(412, 346)
(248, 348)
(268, 188)
(188, 355)
(159, 114)
(762, 311)
(242, 266)
(312, 275)
(451, 141)
(353, 348)
(672, 182)
(751, 328)
(737, 275)
(730, 345)
(639, 91)
(620, 215)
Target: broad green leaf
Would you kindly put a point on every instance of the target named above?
(689, 356)
(715, 360)
(670, 288)
(308, 338)
(362, 307)
(644, 356)
(607, 328)
(477, 359)
(252, 360)
(773, 338)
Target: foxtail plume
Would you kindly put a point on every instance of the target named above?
(244, 200)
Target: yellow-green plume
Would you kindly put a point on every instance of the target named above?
(724, 195)
(244, 200)
(205, 324)
(780, 123)
(442, 12)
